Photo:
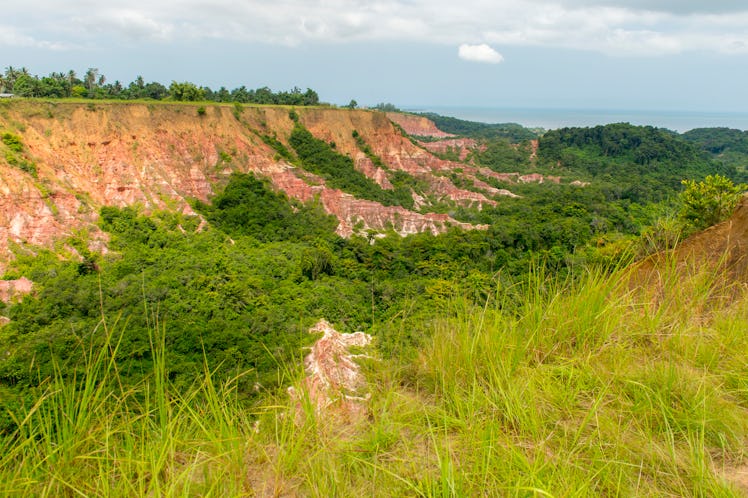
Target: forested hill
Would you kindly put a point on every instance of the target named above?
(643, 162)
(724, 144)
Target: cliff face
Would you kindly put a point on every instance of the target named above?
(418, 126)
(159, 155)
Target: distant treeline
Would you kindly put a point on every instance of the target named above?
(94, 85)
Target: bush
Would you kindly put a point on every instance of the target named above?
(708, 202)
(13, 142)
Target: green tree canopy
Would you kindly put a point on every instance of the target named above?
(708, 202)
(186, 91)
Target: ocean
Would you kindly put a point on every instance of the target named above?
(549, 119)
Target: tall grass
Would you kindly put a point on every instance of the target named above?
(556, 388)
(91, 436)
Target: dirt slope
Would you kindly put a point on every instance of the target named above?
(721, 249)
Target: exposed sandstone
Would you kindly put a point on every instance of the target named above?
(493, 190)
(538, 178)
(333, 379)
(367, 167)
(11, 290)
(418, 126)
(461, 145)
(159, 156)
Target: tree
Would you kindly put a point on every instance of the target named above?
(708, 202)
(26, 86)
(352, 104)
(155, 90)
(386, 107)
(51, 87)
(12, 74)
(91, 81)
(311, 97)
(186, 91)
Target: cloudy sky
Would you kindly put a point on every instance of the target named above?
(689, 55)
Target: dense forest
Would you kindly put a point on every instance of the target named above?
(642, 163)
(94, 85)
(727, 145)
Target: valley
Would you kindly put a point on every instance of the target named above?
(517, 303)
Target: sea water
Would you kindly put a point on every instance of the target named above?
(549, 119)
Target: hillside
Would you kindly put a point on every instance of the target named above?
(244, 225)
(165, 264)
(555, 388)
(62, 161)
(721, 250)
(727, 145)
(85, 156)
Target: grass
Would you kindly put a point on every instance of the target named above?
(166, 102)
(551, 389)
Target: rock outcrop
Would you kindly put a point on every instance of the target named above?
(461, 146)
(334, 383)
(417, 126)
(11, 290)
(538, 178)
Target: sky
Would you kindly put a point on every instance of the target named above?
(677, 55)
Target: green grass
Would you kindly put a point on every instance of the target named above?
(17, 101)
(554, 388)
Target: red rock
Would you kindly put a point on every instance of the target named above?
(158, 156)
(333, 381)
(531, 178)
(417, 126)
(11, 290)
(462, 145)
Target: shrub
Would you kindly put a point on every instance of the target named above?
(708, 202)
(13, 142)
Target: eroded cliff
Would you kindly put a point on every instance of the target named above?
(74, 158)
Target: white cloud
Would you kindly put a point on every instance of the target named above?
(12, 37)
(479, 53)
(128, 23)
(616, 27)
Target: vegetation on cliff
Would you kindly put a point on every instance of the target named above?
(338, 170)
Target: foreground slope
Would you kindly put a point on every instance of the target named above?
(721, 250)
(554, 389)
